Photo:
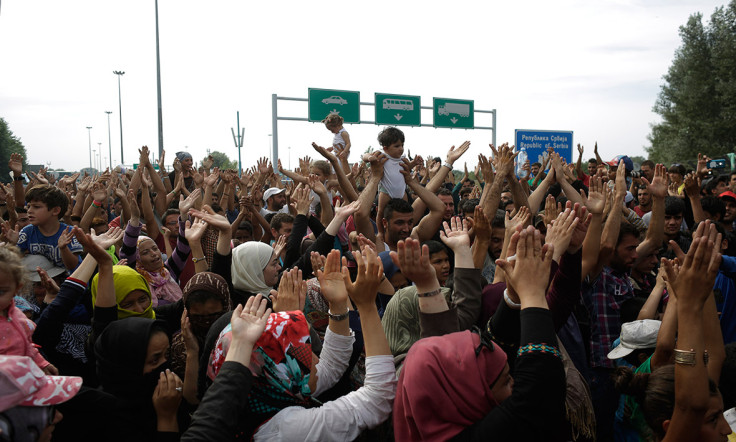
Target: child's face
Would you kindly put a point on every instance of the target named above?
(320, 175)
(334, 128)
(39, 213)
(394, 150)
(8, 288)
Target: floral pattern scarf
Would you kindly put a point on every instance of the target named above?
(281, 362)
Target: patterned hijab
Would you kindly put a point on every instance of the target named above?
(163, 287)
(281, 362)
(126, 280)
(445, 386)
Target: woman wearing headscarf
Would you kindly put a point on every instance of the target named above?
(280, 405)
(133, 369)
(206, 299)
(458, 386)
(252, 267)
(144, 255)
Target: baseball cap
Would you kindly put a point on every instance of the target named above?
(22, 383)
(636, 335)
(627, 162)
(33, 261)
(728, 194)
(271, 192)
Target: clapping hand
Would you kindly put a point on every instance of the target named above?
(531, 258)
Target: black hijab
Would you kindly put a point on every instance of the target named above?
(121, 354)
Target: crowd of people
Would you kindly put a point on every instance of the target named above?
(373, 297)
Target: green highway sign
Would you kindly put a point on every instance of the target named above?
(453, 113)
(398, 110)
(323, 102)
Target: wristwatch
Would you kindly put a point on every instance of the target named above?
(341, 317)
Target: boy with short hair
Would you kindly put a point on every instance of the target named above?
(46, 235)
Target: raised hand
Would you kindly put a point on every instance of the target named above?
(247, 325)
(177, 165)
(193, 231)
(48, 283)
(504, 159)
(107, 239)
(560, 231)
(343, 212)
(167, 395)
(65, 238)
(15, 164)
(143, 158)
(302, 200)
(264, 166)
(455, 154)
(658, 187)
(455, 234)
(331, 281)
(596, 201)
(551, 209)
(10, 234)
(215, 220)
(208, 162)
(413, 260)
(581, 229)
(370, 273)
(279, 247)
(697, 273)
(316, 185)
(531, 258)
(211, 179)
(318, 261)
(189, 202)
(135, 212)
(520, 219)
(292, 292)
(90, 246)
(161, 163)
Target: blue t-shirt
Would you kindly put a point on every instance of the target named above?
(31, 240)
(727, 299)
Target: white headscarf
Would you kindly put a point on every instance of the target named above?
(249, 260)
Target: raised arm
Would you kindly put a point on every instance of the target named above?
(346, 187)
(595, 204)
(655, 233)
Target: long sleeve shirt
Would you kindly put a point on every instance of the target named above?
(344, 418)
(15, 336)
(174, 263)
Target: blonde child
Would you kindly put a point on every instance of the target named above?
(341, 142)
(15, 327)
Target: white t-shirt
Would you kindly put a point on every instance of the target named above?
(338, 140)
(393, 182)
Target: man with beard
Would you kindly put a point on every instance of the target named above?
(607, 286)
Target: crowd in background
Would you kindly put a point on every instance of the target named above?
(369, 297)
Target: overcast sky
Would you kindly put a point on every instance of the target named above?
(593, 67)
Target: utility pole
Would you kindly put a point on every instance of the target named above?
(158, 86)
(120, 111)
(89, 134)
(239, 143)
(109, 139)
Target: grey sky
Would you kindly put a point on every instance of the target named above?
(591, 67)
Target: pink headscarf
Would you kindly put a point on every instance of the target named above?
(444, 387)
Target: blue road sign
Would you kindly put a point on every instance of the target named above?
(536, 143)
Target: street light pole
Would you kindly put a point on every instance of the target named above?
(99, 158)
(120, 111)
(89, 134)
(109, 139)
(158, 86)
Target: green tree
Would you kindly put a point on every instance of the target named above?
(222, 161)
(9, 143)
(697, 101)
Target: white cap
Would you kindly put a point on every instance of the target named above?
(271, 192)
(635, 335)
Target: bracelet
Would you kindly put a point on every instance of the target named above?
(448, 165)
(166, 177)
(685, 357)
(196, 260)
(18, 178)
(508, 300)
(430, 294)
(341, 317)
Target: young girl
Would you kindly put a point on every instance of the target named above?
(14, 326)
(333, 123)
